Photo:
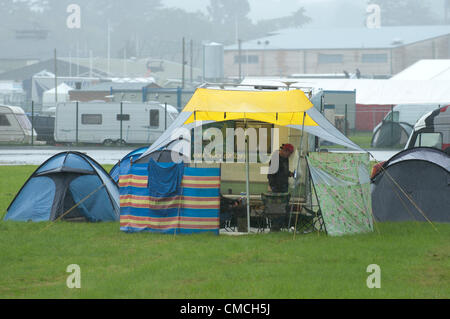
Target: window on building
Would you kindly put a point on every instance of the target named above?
(154, 118)
(91, 119)
(4, 120)
(250, 59)
(330, 58)
(374, 58)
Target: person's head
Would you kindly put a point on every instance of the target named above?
(286, 150)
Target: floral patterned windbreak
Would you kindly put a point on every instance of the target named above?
(342, 184)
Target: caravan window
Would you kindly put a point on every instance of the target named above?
(123, 117)
(91, 119)
(154, 118)
(4, 120)
(429, 139)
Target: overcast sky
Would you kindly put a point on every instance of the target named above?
(325, 13)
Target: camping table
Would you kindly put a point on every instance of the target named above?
(256, 199)
(256, 202)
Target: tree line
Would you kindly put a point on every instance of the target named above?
(147, 28)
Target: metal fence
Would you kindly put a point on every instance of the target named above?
(357, 123)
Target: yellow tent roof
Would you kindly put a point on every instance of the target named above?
(277, 107)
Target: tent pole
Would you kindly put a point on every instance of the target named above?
(321, 221)
(298, 167)
(247, 179)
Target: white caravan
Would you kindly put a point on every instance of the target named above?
(100, 122)
(14, 125)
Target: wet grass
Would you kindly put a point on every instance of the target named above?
(414, 260)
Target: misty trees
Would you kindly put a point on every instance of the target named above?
(296, 19)
(229, 19)
(405, 12)
(228, 11)
(139, 28)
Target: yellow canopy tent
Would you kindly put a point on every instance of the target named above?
(289, 108)
(276, 107)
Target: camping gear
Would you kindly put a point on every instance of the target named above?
(342, 185)
(68, 186)
(276, 210)
(229, 212)
(164, 179)
(195, 209)
(391, 134)
(413, 185)
(114, 172)
(290, 108)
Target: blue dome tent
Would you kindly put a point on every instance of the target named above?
(69, 186)
(115, 170)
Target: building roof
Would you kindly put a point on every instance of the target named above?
(426, 70)
(63, 68)
(369, 91)
(160, 70)
(344, 38)
(127, 86)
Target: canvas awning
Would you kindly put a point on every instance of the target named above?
(277, 107)
(284, 108)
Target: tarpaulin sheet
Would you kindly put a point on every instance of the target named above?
(164, 179)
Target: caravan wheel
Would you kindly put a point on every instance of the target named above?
(108, 142)
(121, 142)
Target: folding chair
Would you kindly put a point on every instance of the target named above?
(309, 220)
(228, 214)
(276, 211)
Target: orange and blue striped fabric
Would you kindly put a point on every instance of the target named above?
(195, 210)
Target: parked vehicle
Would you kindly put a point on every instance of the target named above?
(14, 125)
(44, 126)
(108, 123)
(397, 125)
(432, 130)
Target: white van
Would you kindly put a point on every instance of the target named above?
(14, 125)
(432, 130)
(99, 122)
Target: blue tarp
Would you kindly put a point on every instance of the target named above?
(164, 179)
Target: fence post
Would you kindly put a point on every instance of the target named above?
(121, 121)
(32, 123)
(179, 93)
(76, 124)
(345, 121)
(392, 124)
(165, 116)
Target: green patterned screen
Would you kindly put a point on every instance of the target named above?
(342, 185)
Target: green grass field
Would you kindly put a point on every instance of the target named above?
(414, 260)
